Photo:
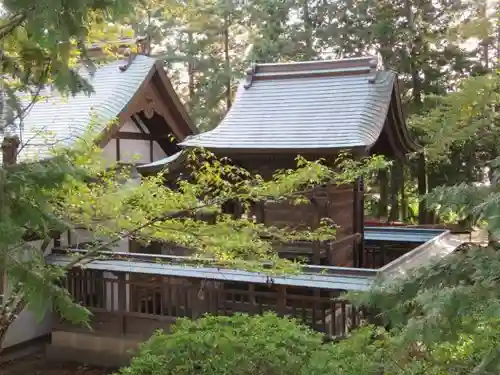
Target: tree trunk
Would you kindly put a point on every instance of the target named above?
(227, 62)
(308, 30)
(190, 69)
(413, 53)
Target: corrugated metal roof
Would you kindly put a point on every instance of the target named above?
(58, 121)
(314, 105)
(331, 281)
(401, 234)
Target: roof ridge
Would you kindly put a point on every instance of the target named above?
(348, 66)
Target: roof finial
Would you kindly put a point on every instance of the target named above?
(249, 76)
(130, 59)
(373, 64)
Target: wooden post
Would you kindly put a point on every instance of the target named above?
(404, 203)
(260, 212)
(383, 180)
(422, 189)
(358, 222)
(316, 245)
(316, 256)
(395, 184)
(281, 300)
(122, 301)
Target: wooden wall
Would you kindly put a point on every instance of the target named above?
(333, 202)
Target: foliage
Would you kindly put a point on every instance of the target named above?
(480, 202)
(446, 314)
(41, 43)
(152, 210)
(463, 118)
(79, 188)
(268, 344)
(262, 344)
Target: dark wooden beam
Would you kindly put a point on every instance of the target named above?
(137, 123)
(118, 155)
(135, 136)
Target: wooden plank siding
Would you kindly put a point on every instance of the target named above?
(154, 302)
(336, 203)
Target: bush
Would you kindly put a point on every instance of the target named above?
(270, 345)
(235, 345)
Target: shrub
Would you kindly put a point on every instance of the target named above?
(218, 345)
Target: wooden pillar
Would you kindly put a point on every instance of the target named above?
(394, 187)
(281, 300)
(122, 302)
(260, 212)
(316, 245)
(316, 253)
(383, 179)
(422, 189)
(358, 221)
(404, 202)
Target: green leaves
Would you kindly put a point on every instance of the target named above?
(450, 309)
(462, 117)
(239, 344)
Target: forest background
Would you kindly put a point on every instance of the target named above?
(437, 47)
(447, 55)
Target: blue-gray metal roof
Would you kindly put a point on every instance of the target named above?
(401, 234)
(58, 121)
(312, 105)
(330, 281)
(327, 277)
(434, 249)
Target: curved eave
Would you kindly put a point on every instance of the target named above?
(279, 151)
(170, 164)
(402, 132)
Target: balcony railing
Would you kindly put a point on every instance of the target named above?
(136, 304)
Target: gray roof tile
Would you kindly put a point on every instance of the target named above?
(59, 121)
(312, 105)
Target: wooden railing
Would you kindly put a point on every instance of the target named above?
(379, 253)
(139, 304)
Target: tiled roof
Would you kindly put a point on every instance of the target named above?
(307, 105)
(59, 121)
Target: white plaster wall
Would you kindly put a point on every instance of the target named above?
(130, 126)
(79, 236)
(135, 151)
(27, 326)
(109, 151)
(158, 152)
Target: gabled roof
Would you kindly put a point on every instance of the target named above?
(338, 104)
(55, 120)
